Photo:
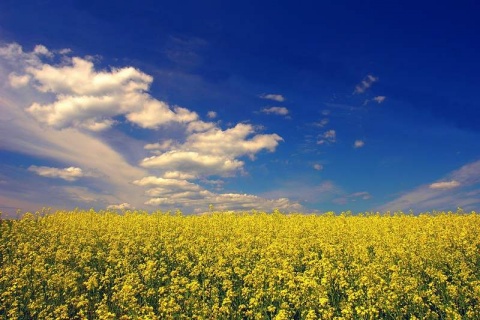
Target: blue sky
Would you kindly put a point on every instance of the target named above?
(295, 105)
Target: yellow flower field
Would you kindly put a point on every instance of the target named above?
(135, 265)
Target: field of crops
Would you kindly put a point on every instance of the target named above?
(134, 265)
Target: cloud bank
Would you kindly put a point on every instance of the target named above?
(54, 106)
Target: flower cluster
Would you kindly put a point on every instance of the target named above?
(252, 265)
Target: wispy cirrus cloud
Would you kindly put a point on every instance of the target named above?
(322, 123)
(273, 97)
(68, 174)
(329, 136)
(379, 99)
(451, 192)
(366, 83)
(120, 206)
(344, 199)
(282, 111)
(445, 185)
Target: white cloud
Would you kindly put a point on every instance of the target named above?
(178, 175)
(65, 51)
(216, 183)
(17, 81)
(318, 166)
(379, 99)
(200, 126)
(21, 133)
(193, 163)
(42, 50)
(329, 136)
(211, 114)
(358, 144)
(322, 123)
(449, 193)
(121, 206)
(276, 110)
(75, 97)
(87, 98)
(445, 185)
(163, 146)
(156, 113)
(163, 182)
(201, 201)
(214, 152)
(186, 195)
(366, 83)
(274, 97)
(68, 174)
(232, 142)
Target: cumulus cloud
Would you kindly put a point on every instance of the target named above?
(200, 126)
(329, 136)
(68, 174)
(17, 81)
(274, 97)
(178, 175)
(42, 50)
(318, 166)
(445, 185)
(121, 206)
(156, 113)
(179, 193)
(88, 98)
(201, 201)
(358, 144)
(214, 152)
(193, 162)
(76, 97)
(282, 111)
(164, 145)
(234, 142)
(366, 83)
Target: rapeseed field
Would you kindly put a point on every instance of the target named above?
(252, 265)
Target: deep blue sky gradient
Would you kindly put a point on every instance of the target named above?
(221, 56)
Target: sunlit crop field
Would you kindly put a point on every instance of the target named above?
(134, 265)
